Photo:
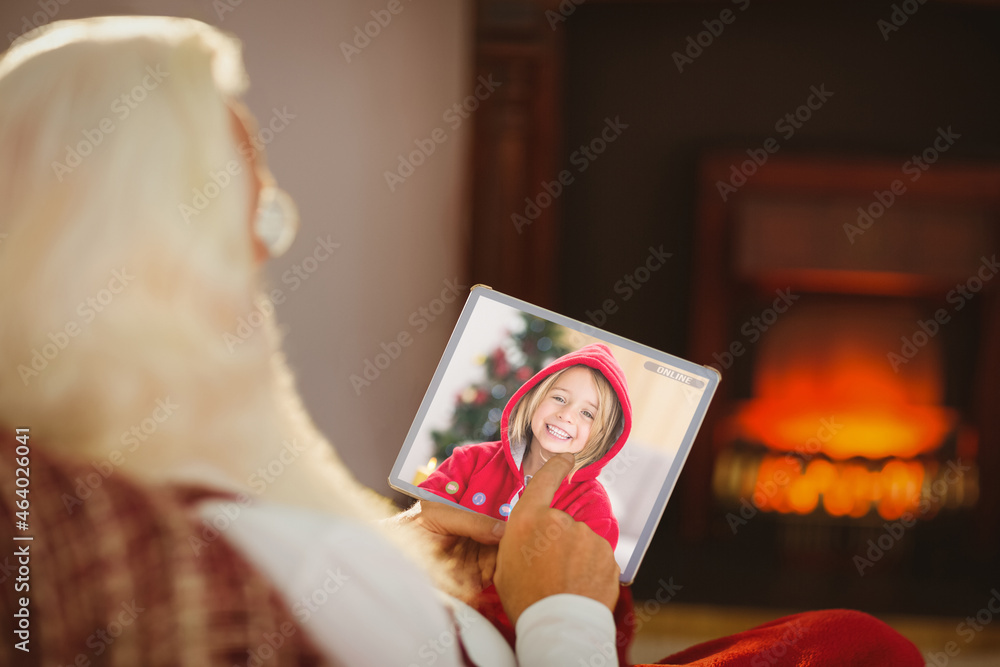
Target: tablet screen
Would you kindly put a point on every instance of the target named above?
(517, 383)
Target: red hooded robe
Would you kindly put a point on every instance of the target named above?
(487, 477)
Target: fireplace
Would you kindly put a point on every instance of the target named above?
(858, 346)
(835, 439)
(831, 426)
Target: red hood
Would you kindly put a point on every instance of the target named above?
(596, 356)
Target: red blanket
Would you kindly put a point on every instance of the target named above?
(834, 637)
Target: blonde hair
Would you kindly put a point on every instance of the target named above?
(603, 434)
(116, 298)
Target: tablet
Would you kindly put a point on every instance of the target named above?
(517, 383)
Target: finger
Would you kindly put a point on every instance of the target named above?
(447, 520)
(487, 565)
(543, 485)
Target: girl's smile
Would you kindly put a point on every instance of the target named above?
(563, 419)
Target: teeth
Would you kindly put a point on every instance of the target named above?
(558, 432)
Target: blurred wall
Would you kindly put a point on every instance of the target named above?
(889, 97)
(342, 117)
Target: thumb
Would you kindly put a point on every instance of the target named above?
(446, 520)
(543, 485)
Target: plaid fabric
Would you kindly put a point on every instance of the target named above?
(127, 576)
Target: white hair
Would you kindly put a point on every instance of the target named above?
(122, 288)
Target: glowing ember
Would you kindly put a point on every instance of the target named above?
(847, 432)
(843, 489)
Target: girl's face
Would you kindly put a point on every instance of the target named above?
(563, 419)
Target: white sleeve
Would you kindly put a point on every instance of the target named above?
(566, 630)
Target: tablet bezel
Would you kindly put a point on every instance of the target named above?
(708, 374)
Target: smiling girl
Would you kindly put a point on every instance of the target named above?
(577, 404)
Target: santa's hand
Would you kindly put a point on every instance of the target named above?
(468, 540)
(446, 520)
(545, 552)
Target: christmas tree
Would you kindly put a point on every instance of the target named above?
(479, 406)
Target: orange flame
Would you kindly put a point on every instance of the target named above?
(842, 488)
(825, 382)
